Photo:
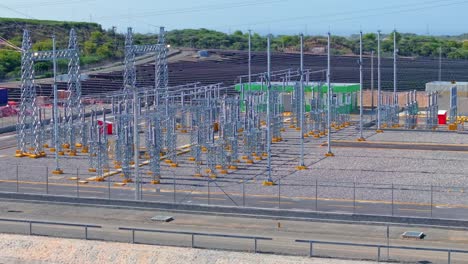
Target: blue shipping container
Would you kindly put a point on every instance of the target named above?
(3, 96)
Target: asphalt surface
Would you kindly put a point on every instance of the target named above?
(213, 196)
(283, 233)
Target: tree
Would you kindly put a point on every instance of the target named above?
(465, 45)
(369, 42)
(458, 54)
(89, 48)
(10, 61)
(104, 51)
(45, 44)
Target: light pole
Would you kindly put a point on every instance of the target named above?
(396, 107)
(361, 108)
(56, 135)
(379, 86)
(329, 153)
(301, 87)
(250, 59)
(269, 180)
(136, 142)
(372, 82)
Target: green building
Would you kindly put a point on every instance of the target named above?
(346, 94)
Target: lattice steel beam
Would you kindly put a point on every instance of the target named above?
(29, 125)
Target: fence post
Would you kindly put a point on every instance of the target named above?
(209, 191)
(140, 184)
(86, 232)
(77, 183)
(388, 242)
(243, 190)
(47, 180)
(193, 240)
(174, 183)
(108, 188)
(17, 179)
(310, 249)
(316, 195)
(432, 199)
(30, 228)
(449, 257)
(279, 193)
(354, 197)
(255, 245)
(378, 253)
(133, 236)
(392, 199)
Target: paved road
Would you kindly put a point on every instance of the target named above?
(283, 233)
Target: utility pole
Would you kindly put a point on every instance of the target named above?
(440, 64)
(56, 135)
(136, 143)
(301, 87)
(361, 108)
(379, 85)
(269, 180)
(395, 80)
(250, 60)
(372, 81)
(330, 96)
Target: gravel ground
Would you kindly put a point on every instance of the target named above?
(422, 137)
(373, 170)
(35, 250)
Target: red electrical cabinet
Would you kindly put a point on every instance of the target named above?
(442, 115)
(107, 127)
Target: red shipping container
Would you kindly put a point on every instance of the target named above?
(442, 115)
(108, 127)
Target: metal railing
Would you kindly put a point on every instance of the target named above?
(240, 191)
(193, 234)
(31, 222)
(133, 230)
(379, 247)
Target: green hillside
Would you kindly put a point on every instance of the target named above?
(99, 45)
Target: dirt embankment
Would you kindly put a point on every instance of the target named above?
(34, 250)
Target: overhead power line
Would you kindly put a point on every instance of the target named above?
(25, 4)
(328, 18)
(192, 9)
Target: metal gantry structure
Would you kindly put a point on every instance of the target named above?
(223, 129)
(74, 113)
(28, 128)
(31, 132)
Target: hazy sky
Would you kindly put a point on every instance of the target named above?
(263, 16)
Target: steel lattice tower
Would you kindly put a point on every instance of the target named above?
(162, 76)
(129, 80)
(129, 84)
(29, 125)
(74, 105)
